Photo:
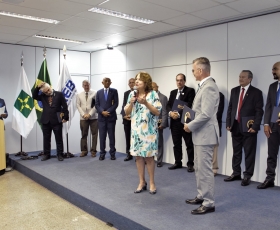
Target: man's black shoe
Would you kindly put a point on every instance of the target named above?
(266, 184)
(113, 158)
(45, 157)
(101, 158)
(233, 178)
(159, 165)
(203, 210)
(60, 157)
(194, 201)
(175, 166)
(246, 181)
(128, 158)
(190, 168)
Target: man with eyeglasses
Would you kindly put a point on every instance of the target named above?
(272, 129)
(185, 94)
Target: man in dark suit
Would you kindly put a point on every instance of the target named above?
(126, 119)
(219, 119)
(185, 94)
(162, 123)
(55, 112)
(272, 129)
(5, 114)
(245, 101)
(106, 103)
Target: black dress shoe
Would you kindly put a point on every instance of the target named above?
(159, 165)
(113, 158)
(101, 158)
(190, 168)
(232, 178)
(46, 157)
(175, 166)
(203, 210)
(266, 184)
(59, 157)
(246, 181)
(142, 189)
(194, 201)
(128, 158)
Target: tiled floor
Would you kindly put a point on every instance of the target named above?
(26, 205)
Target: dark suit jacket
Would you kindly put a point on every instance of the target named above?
(163, 113)
(110, 105)
(188, 96)
(252, 105)
(125, 97)
(50, 112)
(220, 112)
(270, 103)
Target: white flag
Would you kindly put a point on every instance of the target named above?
(68, 88)
(24, 114)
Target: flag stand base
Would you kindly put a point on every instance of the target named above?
(21, 154)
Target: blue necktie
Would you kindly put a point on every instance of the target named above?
(278, 95)
(105, 94)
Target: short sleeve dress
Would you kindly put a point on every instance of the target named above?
(144, 132)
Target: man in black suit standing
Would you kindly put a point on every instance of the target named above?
(55, 112)
(272, 129)
(106, 103)
(187, 95)
(126, 119)
(245, 101)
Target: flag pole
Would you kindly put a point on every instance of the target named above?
(21, 153)
(68, 154)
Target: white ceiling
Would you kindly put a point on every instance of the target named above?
(100, 30)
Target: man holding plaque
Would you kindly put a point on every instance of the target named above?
(205, 130)
(244, 116)
(271, 127)
(186, 95)
(162, 123)
(55, 112)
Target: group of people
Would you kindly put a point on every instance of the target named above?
(145, 112)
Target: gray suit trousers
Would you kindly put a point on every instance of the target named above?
(204, 175)
(160, 146)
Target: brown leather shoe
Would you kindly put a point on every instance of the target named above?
(83, 154)
(93, 154)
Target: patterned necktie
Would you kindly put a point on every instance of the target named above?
(198, 87)
(86, 96)
(105, 94)
(240, 105)
(278, 95)
(50, 100)
(180, 95)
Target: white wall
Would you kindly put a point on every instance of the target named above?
(231, 47)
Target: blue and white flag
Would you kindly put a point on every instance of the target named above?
(68, 88)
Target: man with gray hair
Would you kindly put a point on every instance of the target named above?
(205, 135)
(88, 118)
(55, 112)
(245, 106)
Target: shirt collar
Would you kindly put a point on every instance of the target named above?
(246, 87)
(203, 80)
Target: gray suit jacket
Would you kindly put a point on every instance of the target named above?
(204, 127)
(163, 114)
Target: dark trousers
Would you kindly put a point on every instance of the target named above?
(104, 128)
(47, 134)
(84, 125)
(249, 144)
(273, 148)
(177, 133)
(160, 146)
(127, 131)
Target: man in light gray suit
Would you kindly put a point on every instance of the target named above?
(162, 123)
(88, 118)
(205, 134)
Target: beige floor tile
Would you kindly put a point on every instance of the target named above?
(27, 205)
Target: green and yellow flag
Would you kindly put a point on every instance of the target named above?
(43, 76)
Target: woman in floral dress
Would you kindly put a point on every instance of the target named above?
(144, 108)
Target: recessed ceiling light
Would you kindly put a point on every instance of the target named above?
(120, 15)
(56, 38)
(15, 15)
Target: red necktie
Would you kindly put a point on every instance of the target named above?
(240, 105)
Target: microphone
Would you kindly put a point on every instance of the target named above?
(135, 92)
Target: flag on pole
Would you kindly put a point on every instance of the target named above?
(68, 88)
(24, 115)
(43, 76)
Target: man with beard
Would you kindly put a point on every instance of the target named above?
(272, 129)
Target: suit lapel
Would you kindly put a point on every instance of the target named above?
(274, 93)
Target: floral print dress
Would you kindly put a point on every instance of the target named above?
(144, 132)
